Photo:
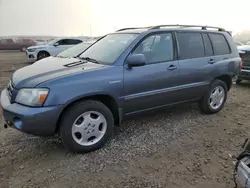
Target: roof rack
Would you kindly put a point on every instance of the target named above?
(123, 29)
(203, 27)
(177, 25)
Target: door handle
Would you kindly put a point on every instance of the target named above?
(211, 61)
(171, 67)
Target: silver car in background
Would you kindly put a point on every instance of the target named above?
(75, 50)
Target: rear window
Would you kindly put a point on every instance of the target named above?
(220, 44)
(190, 45)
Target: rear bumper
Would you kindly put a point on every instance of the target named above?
(36, 121)
(244, 74)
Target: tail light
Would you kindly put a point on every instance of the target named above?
(240, 64)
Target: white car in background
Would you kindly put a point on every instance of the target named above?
(76, 50)
(52, 48)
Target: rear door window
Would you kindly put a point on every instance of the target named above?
(63, 42)
(74, 41)
(190, 45)
(220, 44)
(208, 45)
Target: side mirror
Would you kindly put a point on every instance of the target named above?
(56, 44)
(136, 60)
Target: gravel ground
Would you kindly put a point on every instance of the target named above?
(172, 148)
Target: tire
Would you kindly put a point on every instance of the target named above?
(42, 55)
(238, 81)
(23, 48)
(207, 105)
(234, 79)
(72, 134)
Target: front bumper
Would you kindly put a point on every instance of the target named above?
(31, 55)
(40, 121)
(244, 74)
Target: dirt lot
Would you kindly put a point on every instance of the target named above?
(172, 148)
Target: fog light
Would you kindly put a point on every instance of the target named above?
(17, 123)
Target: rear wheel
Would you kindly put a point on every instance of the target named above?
(23, 49)
(42, 55)
(238, 81)
(215, 98)
(86, 126)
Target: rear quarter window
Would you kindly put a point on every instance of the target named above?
(220, 44)
(208, 45)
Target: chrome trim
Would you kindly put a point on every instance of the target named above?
(244, 70)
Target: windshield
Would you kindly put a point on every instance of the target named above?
(52, 42)
(109, 48)
(75, 50)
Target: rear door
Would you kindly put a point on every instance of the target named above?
(154, 84)
(222, 51)
(195, 53)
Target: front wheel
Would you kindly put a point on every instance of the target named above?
(23, 49)
(215, 98)
(86, 126)
(42, 55)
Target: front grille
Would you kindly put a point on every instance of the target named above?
(245, 59)
(10, 88)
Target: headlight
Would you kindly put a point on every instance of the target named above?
(32, 49)
(32, 97)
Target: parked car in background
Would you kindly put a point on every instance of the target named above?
(124, 73)
(52, 48)
(75, 50)
(244, 52)
(40, 42)
(241, 174)
(239, 43)
(16, 44)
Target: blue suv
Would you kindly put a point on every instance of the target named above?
(127, 72)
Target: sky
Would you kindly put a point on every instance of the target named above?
(98, 17)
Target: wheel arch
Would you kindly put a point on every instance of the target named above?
(106, 99)
(43, 51)
(227, 79)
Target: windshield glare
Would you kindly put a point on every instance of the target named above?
(109, 48)
(75, 50)
(52, 42)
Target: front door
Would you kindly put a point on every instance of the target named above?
(62, 45)
(154, 84)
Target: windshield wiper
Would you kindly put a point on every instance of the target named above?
(75, 63)
(90, 59)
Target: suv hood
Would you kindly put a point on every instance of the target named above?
(49, 68)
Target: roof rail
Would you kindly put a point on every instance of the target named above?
(177, 25)
(123, 29)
